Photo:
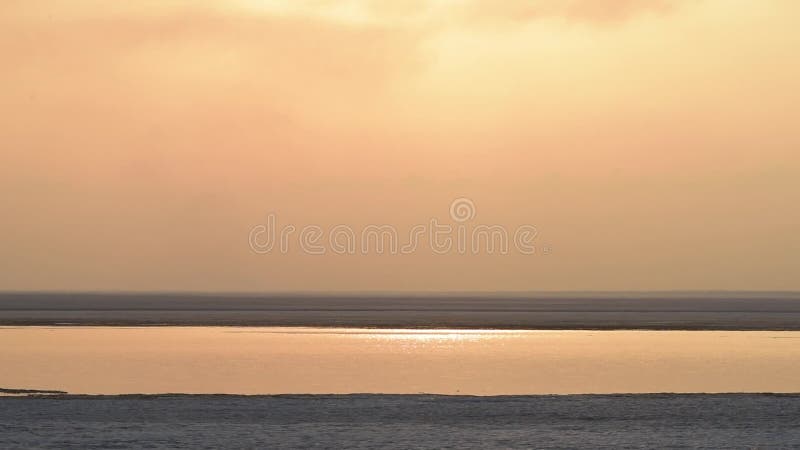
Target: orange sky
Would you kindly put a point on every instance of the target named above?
(653, 143)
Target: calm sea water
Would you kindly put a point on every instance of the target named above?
(115, 360)
(683, 421)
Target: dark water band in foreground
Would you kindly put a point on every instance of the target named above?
(402, 421)
(606, 310)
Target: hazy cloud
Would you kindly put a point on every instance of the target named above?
(142, 140)
(592, 11)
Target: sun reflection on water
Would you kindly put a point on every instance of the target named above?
(438, 336)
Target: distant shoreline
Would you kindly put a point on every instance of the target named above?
(31, 392)
(404, 326)
(720, 311)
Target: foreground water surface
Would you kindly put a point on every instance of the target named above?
(115, 360)
(406, 421)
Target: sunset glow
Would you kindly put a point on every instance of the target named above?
(652, 143)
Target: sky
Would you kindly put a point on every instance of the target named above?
(653, 144)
